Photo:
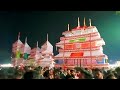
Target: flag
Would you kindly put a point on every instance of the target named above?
(27, 50)
(18, 54)
(26, 56)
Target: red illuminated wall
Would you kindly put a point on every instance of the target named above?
(80, 62)
(87, 45)
(79, 54)
(68, 47)
(78, 45)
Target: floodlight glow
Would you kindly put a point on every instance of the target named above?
(6, 65)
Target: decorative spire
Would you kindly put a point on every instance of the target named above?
(37, 43)
(84, 22)
(90, 21)
(18, 35)
(26, 40)
(47, 36)
(78, 22)
(68, 27)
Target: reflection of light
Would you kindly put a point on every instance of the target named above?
(6, 65)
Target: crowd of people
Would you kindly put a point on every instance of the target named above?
(31, 72)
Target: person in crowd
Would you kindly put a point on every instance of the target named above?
(57, 75)
(46, 74)
(62, 74)
(19, 76)
(98, 74)
(68, 76)
(29, 74)
(51, 74)
(111, 76)
(41, 72)
(73, 74)
(80, 75)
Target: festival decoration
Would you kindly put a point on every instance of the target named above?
(81, 47)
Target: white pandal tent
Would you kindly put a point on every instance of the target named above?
(47, 52)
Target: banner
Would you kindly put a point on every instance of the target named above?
(71, 41)
(78, 40)
(76, 54)
(81, 39)
(69, 46)
(101, 62)
(87, 45)
(59, 61)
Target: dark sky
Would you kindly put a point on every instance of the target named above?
(36, 24)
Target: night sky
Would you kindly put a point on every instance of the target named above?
(36, 24)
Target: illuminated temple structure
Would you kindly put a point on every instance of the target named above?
(47, 54)
(23, 55)
(81, 47)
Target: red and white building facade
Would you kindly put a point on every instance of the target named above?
(82, 47)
